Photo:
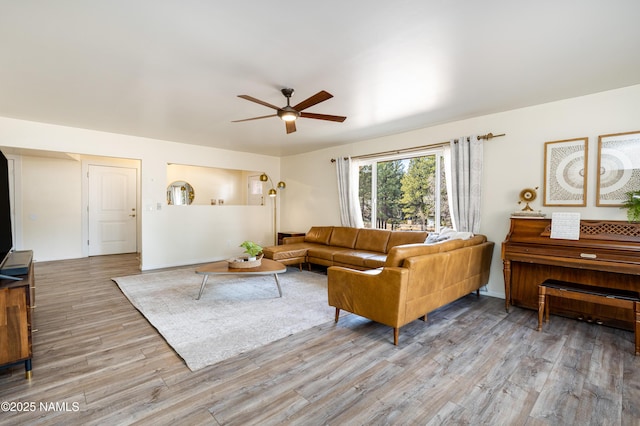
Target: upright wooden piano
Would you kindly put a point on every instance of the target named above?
(606, 255)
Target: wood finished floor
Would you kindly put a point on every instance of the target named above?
(471, 363)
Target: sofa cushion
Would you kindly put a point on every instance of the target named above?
(287, 251)
(319, 235)
(376, 261)
(343, 236)
(398, 254)
(353, 257)
(398, 238)
(324, 252)
(448, 245)
(372, 240)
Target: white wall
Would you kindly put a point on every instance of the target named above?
(171, 235)
(51, 209)
(512, 163)
(177, 235)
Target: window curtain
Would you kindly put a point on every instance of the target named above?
(347, 171)
(464, 182)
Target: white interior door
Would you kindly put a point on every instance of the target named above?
(112, 210)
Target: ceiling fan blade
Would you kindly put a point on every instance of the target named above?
(291, 126)
(338, 118)
(258, 101)
(255, 118)
(313, 100)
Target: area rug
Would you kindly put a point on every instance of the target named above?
(235, 313)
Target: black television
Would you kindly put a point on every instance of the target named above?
(6, 234)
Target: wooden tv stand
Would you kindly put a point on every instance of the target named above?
(17, 299)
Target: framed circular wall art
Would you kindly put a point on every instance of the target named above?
(618, 167)
(565, 173)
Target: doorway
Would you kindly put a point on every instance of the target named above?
(112, 212)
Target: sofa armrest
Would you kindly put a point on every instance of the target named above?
(293, 240)
(378, 294)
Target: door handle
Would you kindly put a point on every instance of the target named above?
(132, 215)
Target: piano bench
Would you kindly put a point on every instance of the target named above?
(605, 296)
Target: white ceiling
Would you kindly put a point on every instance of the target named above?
(173, 69)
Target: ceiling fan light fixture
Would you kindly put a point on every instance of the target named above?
(288, 114)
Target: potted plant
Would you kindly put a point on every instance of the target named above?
(632, 204)
(252, 249)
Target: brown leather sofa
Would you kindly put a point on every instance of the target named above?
(357, 248)
(415, 280)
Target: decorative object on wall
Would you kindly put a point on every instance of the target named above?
(180, 193)
(565, 172)
(632, 205)
(618, 167)
(273, 193)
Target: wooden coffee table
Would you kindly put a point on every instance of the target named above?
(267, 267)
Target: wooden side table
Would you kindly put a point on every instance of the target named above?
(282, 235)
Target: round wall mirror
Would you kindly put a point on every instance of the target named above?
(180, 193)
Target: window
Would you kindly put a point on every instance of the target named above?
(404, 192)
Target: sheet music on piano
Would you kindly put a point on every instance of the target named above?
(565, 226)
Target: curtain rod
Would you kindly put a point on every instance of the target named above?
(488, 136)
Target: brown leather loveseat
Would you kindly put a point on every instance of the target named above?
(357, 248)
(415, 280)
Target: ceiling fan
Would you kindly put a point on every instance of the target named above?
(289, 113)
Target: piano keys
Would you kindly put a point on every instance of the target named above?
(606, 255)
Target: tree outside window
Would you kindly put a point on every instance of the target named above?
(404, 193)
